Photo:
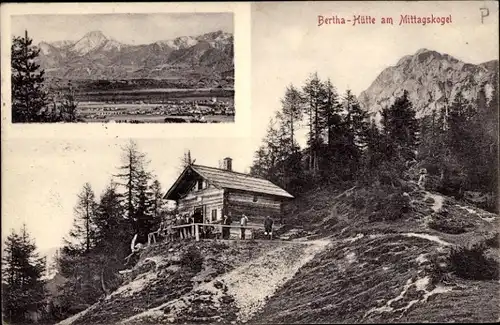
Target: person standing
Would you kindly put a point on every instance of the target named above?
(170, 232)
(227, 221)
(268, 227)
(243, 224)
(224, 229)
(188, 220)
(184, 229)
(178, 222)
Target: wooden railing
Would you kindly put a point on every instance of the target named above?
(196, 227)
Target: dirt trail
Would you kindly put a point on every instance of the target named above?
(249, 284)
(438, 201)
(260, 278)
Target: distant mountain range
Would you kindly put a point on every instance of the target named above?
(431, 78)
(96, 56)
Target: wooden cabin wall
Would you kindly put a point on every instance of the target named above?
(209, 199)
(256, 207)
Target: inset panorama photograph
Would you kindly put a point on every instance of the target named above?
(123, 68)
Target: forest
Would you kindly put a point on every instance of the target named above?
(457, 146)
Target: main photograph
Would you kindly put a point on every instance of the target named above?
(132, 68)
(366, 193)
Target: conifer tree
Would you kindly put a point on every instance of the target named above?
(134, 179)
(313, 92)
(68, 106)
(132, 169)
(82, 236)
(22, 285)
(158, 203)
(400, 128)
(112, 229)
(291, 113)
(144, 206)
(330, 109)
(185, 161)
(28, 95)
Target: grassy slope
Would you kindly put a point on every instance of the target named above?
(234, 280)
(378, 271)
(159, 277)
(372, 271)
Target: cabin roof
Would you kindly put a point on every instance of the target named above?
(228, 180)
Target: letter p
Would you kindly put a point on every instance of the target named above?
(485, 12)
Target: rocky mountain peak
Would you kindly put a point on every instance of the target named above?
(432, 80)
(103, 57)
(89, 42)
(95, 34)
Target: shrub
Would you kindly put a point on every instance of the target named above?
(438, 268)
(220, 245)
(395, 206)
(429, 200)
(192, 258)
(448, 225)
(493, 241)
(473, 264)
(358, 202)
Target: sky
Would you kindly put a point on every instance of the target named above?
(125, 28)
(43, 176)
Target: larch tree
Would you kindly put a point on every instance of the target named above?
(134, 178)
(84, 228)
(131, 169)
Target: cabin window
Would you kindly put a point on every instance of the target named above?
(200, 185)
(255, 198)
(214, 214)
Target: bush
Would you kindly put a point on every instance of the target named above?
(449, 225)
(473, 264)
(393, 207)
(493, 241)
(438, 268)
(192, 258)
(358, 202)
(429, 200)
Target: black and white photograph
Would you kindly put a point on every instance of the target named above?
(366, 190)
(123, 68)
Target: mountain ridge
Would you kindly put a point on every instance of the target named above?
(432, 80)
(96, 56)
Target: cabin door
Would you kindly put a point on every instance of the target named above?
(198, 215)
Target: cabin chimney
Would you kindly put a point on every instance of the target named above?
(227, 164)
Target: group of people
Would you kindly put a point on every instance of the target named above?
(167, 231)
(268, 226)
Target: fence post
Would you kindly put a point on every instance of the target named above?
(197, 232)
